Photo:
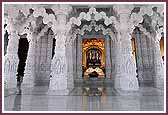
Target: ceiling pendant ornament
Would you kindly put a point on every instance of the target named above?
(39, 11)
(92, 10)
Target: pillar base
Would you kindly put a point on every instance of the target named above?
(28, 80)
(159, 81)
(126, 83)
(10, 70)
(58, 82)
(127, 93)
(10, 82)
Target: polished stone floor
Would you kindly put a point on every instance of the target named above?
(85, 98)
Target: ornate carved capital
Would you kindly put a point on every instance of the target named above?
(61, 9)
(11, 10)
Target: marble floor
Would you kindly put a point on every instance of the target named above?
(85, 98)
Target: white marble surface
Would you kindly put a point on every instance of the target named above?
(37, 99)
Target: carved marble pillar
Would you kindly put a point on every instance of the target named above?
(150, 52)
(58, 80)
(115, 59)
(79, 56)
(147, 77)
(107, 57)
(158, 64)
(112, 51)
(159, 26)
(11, 60)
(139, 54)
(59, 65)
(74, 58)
(69, 55)
(125, 78)
(29, 75)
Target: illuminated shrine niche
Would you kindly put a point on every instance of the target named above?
(133, 47)
(93, 56)
(162, 48)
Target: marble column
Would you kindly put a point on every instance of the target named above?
(158, 64)
(146, 78)
(11, 60)
(139, 64)
(58, 80)
(74, 57)
(79, 56)
(59, 65)
(69, 55)
(107, 57)
(43, 73)
(113, 55)
(50, 41)
(126, 65)
(117, 57)
(150, 52)
(29, 75)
